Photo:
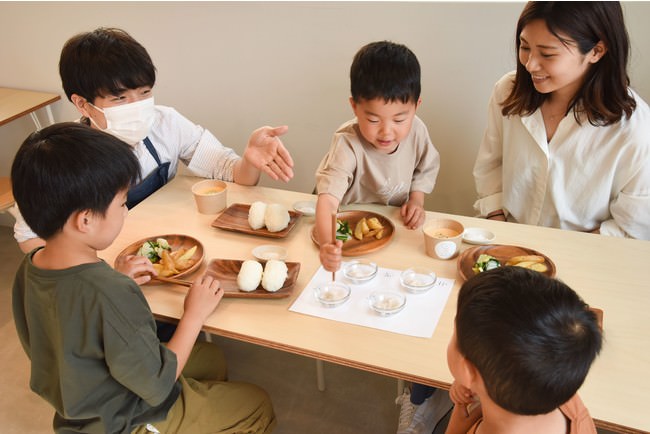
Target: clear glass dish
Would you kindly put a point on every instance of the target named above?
(332, 294)
(360, 270)
(417, 279)
(387, 303)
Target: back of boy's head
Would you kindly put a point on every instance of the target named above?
(531, 338)
(104, 62)
(69, 167)
(385, 70)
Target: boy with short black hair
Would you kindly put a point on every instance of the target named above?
(385, 154)
(87, 329)
(522, 346)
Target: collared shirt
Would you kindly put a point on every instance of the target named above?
(587, 177)
(175, 139)
(353, 171)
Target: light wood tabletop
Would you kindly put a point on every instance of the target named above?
(15, 103)
(609, 273)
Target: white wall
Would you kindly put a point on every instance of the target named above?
(234, 66)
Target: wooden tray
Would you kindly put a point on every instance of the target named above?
(176, 242)
(226, 270)
(235, 218)
(502, 252)
(354, 247)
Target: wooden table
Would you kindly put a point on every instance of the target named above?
(15, 103)
(609, 273)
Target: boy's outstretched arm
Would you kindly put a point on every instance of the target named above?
(202, 298)
(330, 252)
(266, 153)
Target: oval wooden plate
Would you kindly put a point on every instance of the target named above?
(176, 242)
(354, 247)
(235, 218)
(226, 271)
(500, 251)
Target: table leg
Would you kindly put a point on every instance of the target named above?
(50, 116)
(320, 375)
(36, 121)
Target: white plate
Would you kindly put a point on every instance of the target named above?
(307, 208)
(478, 236)
(268, 251)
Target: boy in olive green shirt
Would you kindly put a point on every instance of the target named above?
(88, 329)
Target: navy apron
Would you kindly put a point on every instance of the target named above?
(152, 182)
(137, 194)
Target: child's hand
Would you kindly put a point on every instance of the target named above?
(203, 297)
(266, 153)
(330, 255)
(460, 394)
(138, 268)
(412, 213)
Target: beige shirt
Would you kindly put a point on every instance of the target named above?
(353, 171)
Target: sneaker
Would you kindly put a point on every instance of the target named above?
(431, 412)
(406, 413)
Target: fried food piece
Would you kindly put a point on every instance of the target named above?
(361, 229)
(525, 258)
(374, 223)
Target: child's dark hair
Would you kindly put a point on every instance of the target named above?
(104, 62)
(603, 96)
(385, 70)
(69, 167)
(531, 337)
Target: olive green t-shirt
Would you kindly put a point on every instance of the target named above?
(91, 339)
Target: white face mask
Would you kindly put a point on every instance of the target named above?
(129, 122)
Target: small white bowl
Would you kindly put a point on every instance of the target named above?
(417, 279)
(387, 303)
(478, 236)
(306, 207)
(332, 294)
(360, 270)
(268, 251)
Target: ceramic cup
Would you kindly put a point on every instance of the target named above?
(442, 238)
(210, 196)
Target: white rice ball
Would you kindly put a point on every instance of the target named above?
(276, 217)
(256, 215)
(250, 275)
(275, 273)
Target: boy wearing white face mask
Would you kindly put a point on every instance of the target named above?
(109, 77)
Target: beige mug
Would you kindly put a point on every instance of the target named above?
(210, 196)
(442, 238)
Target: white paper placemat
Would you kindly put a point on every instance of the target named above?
(418, 318)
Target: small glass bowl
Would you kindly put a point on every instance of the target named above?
(387, 303)
(417, 279)
(360, 270)
(332, 294)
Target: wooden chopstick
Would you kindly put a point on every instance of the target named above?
(172, 280)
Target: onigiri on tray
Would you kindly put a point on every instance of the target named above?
(228, 270)
(259, 218)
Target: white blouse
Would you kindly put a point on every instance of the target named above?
(585, 178)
